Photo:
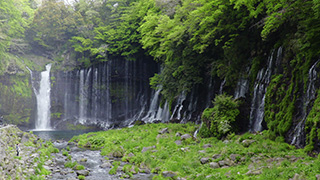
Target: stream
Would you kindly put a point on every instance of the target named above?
(97, 167)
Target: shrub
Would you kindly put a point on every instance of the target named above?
(219, 120)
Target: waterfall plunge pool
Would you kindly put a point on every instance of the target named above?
(54, 135)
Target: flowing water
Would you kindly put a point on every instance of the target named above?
(258, 100)
(43, 101)
(299, 133)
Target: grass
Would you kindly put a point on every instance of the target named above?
(262, 158)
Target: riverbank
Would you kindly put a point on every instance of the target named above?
(170, 151)
(152, 151)
(34, 152)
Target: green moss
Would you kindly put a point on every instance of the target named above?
(280, 104)
(312, 125)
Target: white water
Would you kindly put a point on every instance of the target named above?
(43, 101)
(258, 100)
(155, 112)
(242, 88)
(298, 133)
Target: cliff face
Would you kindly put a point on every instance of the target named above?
(279, 94)
(16, 100)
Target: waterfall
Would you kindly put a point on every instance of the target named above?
(81, 98)
(155, 112)
(298, 133)
(241, 88)
(258, 100)
(176, 113)
(43, 101)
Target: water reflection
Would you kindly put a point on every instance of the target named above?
(59, 134)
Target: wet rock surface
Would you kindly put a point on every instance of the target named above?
(96, 167)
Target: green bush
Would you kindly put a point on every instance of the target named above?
(219, 120)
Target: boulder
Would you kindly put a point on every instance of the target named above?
(82, 172)
(214, 165)
(186, 136)
(205, 160)
(247, 142)
(178, 142)
(206, 146)
(169, 174)
(234, 157)
(164, 130)
(106, 165)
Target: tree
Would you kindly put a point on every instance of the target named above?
(54, 23)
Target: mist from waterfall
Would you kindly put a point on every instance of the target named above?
(43, 101)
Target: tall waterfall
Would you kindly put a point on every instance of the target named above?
(258, 100)
(299, 133)
(43, 101)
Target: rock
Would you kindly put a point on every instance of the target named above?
(144, 170)
(318, 176)
(296, 177)
(206, 146)
(224, 163)
(214, 165)
(133, 170)
(234, 157)
(185, 136)
(226, 141)
(164, 130)
(19, 134)
(83, 160)
(216, 156)
(178, 142)
(178, 134)
(254, 172)
(169, 174)
(106, 165)
(205, 160)
(117, 154)
(82, 172)
(130, 155)
(144, 149)
(202, 151)
(247, 142)
(25, 138)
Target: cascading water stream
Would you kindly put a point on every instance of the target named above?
(298, 133)
(43, 101)
(258, 100)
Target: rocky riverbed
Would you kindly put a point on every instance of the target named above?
(92, 165)
(11, 165)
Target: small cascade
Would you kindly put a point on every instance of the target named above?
(176, 113)
(153, 109)
(43, 101)
(258, 100)
(242, 88)
(210, 91)
(155, 112)
(298, 133)
(222, 85)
